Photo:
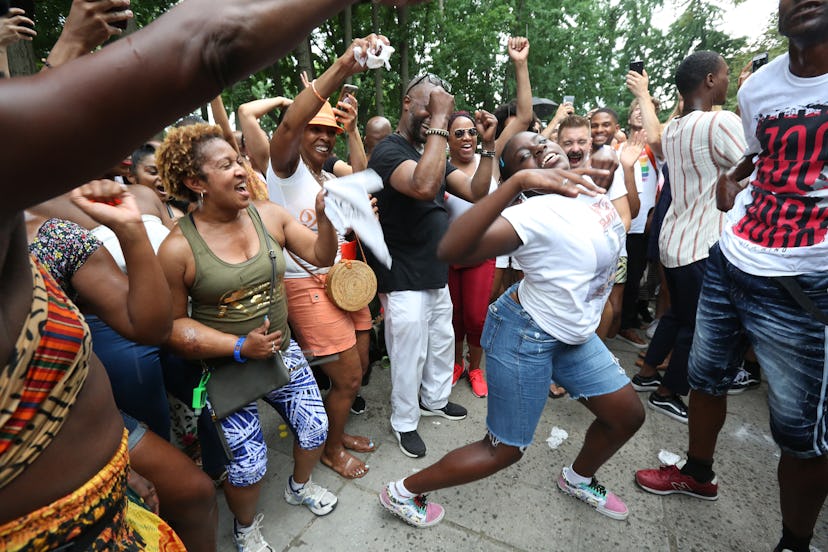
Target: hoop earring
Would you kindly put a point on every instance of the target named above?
(201, 194)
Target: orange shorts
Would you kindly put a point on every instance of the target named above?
(319, 326)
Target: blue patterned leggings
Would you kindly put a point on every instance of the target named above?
(298, 402)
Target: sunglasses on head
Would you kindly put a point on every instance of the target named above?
(432, 78)
(461, 131)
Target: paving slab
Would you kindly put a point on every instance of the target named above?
(520, 508)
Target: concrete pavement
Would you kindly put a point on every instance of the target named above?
(521, 508)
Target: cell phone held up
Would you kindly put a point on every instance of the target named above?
(637, 66)
(343, 93)
(759, 61)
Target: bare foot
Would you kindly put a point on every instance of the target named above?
(358, 443)
(345, 464)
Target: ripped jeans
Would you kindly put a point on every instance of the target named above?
(521, 359)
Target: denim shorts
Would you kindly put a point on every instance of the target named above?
(789, 344)
(521, 359)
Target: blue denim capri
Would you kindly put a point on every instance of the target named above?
(789, 344)
(521, 359)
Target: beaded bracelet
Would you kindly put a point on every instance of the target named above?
(437, 132)
(487, 153)
(313, 87)
(237, 350)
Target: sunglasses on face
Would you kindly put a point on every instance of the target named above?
(461, 131)
(429, 77)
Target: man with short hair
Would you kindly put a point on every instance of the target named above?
(414, 293)
(768, 278)
(603, 124)
(376, 129)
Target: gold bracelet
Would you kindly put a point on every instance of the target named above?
(313, 87)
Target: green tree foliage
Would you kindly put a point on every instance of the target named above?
(580, 48)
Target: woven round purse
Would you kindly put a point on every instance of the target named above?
(351, 284)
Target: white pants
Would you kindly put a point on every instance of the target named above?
(420, 342)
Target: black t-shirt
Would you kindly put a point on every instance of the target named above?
(412, 227)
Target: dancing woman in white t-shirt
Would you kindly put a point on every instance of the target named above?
(567, 240)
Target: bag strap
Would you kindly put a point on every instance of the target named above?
(792, 286)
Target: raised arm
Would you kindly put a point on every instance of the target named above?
(518, 48)
(346, 113)
(221, 119)
(215, 43)
(102, 288)
(256, 139)
(286, 142)
(638, 85)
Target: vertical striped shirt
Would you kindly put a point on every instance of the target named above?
(698, 148)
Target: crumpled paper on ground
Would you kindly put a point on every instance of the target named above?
(556, 437)
(378, 55)
(668, 458)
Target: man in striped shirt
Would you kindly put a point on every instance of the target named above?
(699, 146)
(768, 278)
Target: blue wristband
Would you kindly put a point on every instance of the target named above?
(237, 349)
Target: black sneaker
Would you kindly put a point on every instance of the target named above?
(649, 383)
(358, 406)
(671, 406)
(451, 411)
(410, 443)
(743, 381)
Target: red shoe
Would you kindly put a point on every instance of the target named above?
(478, 383)
(669, 479)
(459, 370)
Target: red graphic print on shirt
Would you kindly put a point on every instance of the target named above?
(789, 207)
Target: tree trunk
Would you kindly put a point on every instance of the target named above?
(379, 108)
(402, 19)
(303, 58)
(21, 58)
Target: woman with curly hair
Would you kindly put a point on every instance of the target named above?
(220, 255)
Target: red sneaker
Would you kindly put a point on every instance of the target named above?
(478, 383)
(459, 370)
(669, 479)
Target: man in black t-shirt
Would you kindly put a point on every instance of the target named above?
(414, 292)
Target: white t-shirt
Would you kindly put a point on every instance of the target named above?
(569, 257)
(156, 232)
(646, 182)
(297, 194)
(778, 224)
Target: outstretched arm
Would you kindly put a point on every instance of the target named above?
(136, 82)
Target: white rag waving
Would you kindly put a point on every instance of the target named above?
(348, 208)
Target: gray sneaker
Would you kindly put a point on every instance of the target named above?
(318, 499)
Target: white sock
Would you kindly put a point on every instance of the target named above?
(399, 491)
(575, 478)
(241, 529)
(294, 486)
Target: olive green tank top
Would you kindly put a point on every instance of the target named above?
(234, 298)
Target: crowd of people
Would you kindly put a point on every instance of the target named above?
(519, 249)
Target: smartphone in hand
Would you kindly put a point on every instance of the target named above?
(343, 93)
(637, 66)
(759, 61)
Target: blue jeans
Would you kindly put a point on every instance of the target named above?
(521, 359)
(789, 344)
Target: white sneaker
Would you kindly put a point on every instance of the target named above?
(318, 499)
(252, 540)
